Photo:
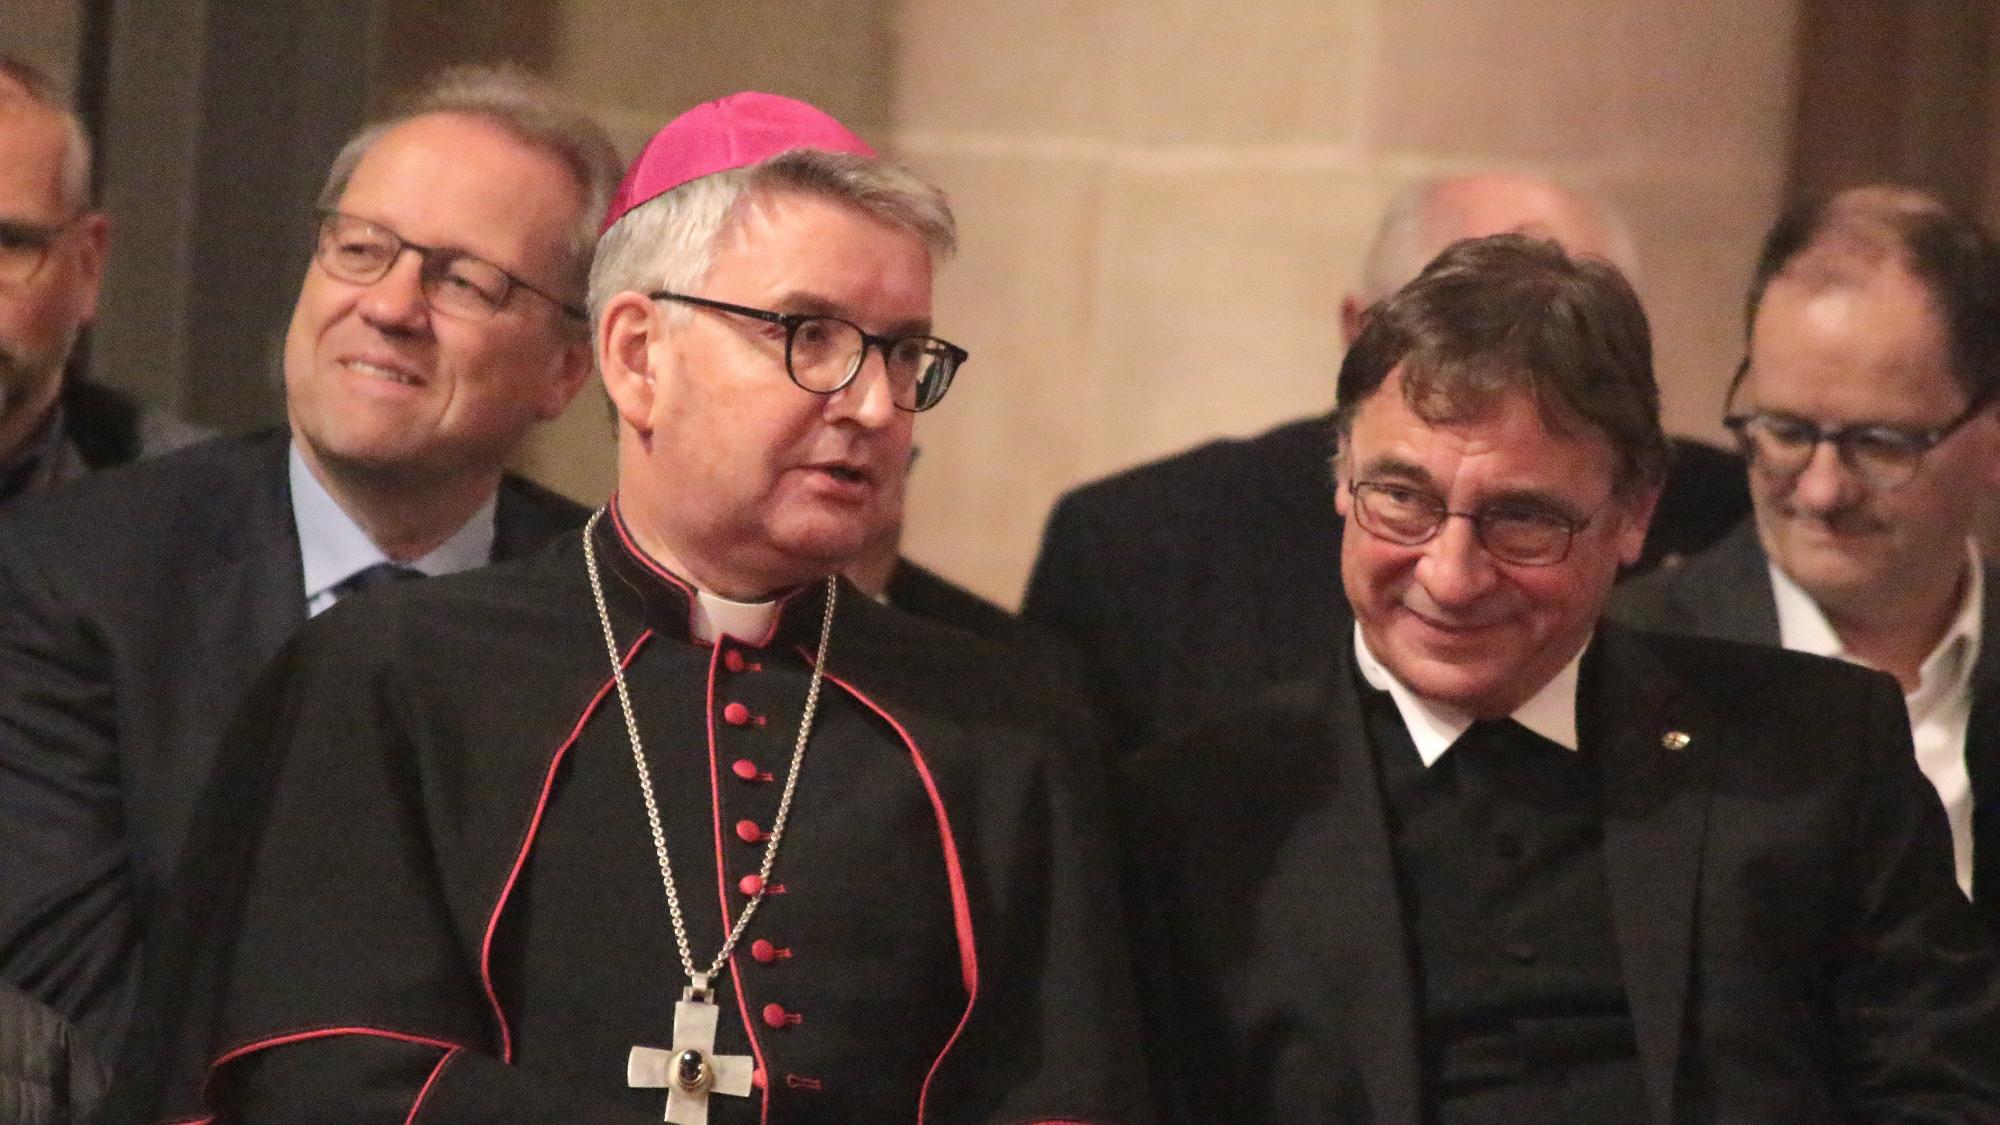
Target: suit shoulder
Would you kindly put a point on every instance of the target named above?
(1646, 602)
(1755, 676)
(544, 502)
(1212, 474)
(122, 506)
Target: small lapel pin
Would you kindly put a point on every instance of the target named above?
(1675, 740)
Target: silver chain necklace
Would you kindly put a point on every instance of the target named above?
(692, 1070)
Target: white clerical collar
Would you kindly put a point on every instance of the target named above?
(1434, 726)
(715, 615)
(333, 548)
(1946, 672)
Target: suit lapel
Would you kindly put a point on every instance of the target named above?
(1346, 858)
(244, 600)
(1982, 754)
(1650, 741)
(1726, 591)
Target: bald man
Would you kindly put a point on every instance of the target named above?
(1194, 581)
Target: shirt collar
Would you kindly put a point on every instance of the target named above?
(1434, 726)
(1803, 627)
(333, 547)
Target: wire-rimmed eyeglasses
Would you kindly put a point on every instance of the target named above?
(1411, 517)
(1884, 456)
(823, 354)
(455, 283)
(25, 247)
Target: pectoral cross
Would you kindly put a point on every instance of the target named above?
(691, 1071)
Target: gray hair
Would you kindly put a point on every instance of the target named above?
(1409, 234)
(42, 93)
(529, 109)
(670, 241)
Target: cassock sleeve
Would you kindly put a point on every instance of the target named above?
(1053, 1034)
(1917, 979)
(319, 960)
(68, 933)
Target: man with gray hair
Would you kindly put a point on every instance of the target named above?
(1191, 581)
(439, 318)
(671, 813)
(55, 426)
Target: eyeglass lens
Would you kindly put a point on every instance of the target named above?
(1409, 517)
(825, 352)
(24, 247)
(1783, 446)
(455, 284)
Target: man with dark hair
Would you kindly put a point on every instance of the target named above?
(1504, 862)
(1865, 405)
(671, 813)
(55, 426)
(1163, 575)
(439, 318)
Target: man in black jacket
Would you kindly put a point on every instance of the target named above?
(52, 246)
(1500, 862)
(437, 321)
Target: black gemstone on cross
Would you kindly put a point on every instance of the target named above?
(691, 1071)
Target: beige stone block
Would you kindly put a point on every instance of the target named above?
(1021, 298)
(1038, 67)
(644, 61)
(1699, 241)
(1498, 80)
(1221, 299)
(1130, 70)
(1193, 71)
(576, 454)
(1702, 82)
(1215, 298)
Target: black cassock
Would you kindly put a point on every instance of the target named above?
(424, 876)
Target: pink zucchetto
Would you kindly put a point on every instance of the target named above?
(732, 132)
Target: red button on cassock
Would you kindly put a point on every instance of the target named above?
(765, 952)
(775, 1015)
(750, 884)
(736, 714)
(733, 660)
(748, 832)
(745, 769)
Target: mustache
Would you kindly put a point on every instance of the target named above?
(1852, 519)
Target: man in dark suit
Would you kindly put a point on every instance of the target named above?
(1502, 863)
(1865, 404)
(435, 324)
(1187, 581)
(54, 427)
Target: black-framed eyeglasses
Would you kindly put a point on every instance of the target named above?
(454, 282)
(25, 247)
(1884, 456)
(823, 354)
(1513, 533)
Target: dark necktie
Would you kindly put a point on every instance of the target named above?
(369, 577)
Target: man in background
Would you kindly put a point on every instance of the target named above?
(438, 319)
(52, 247)
(1190, 582)
(1865, 406)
